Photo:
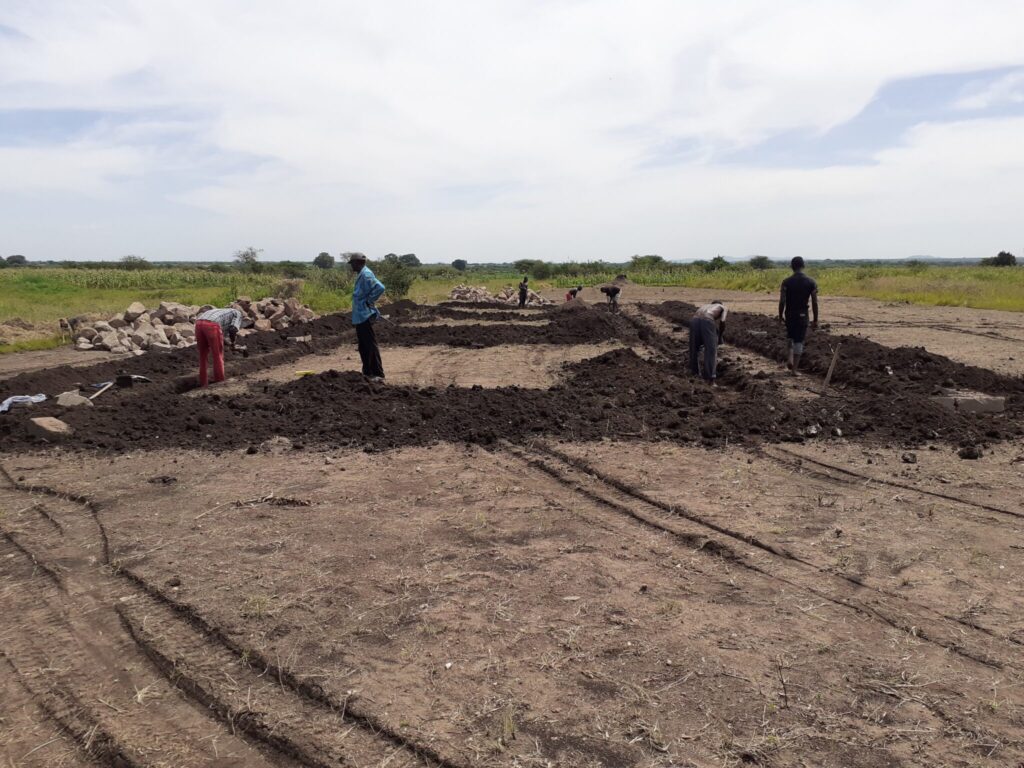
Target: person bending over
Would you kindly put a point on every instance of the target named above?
(707, 329)
(211, 326)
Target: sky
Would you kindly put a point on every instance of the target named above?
(497, 130)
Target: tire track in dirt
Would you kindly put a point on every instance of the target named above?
(753, 541)
(908, 617)
(652, 514)
(850, 475)
(91, 680)
(301, 723)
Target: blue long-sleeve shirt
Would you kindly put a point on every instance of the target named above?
(365, 292)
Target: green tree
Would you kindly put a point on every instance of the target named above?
(1001, 259)
(460, 265)
(534, 268)
(643, 263)
(409, 260)
(760, 262)
(324, 261)
(717, 263)
(134, 263)
(397, 277)
(16, 260)
(3, 263)
(248, 259)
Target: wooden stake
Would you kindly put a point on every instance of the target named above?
(831, 367)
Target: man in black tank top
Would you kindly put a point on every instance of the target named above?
(797, 290)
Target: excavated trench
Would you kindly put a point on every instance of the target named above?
(617, 394)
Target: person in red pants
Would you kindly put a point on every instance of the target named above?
(211, 326)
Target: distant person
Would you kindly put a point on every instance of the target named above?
(707, 329)
(365, 292)
(211, 326)
(524, 290)
(797, 290)
(572, 293)
(612, 292)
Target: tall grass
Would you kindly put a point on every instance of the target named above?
(41, 295)
(978, 287)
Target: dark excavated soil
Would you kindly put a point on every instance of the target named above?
(617, 394)
(176, 369)
(863, 364)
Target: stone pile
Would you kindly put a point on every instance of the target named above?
(172, 325)
(273, 314)
(507, 295)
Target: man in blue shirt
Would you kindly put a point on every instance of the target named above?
(365, 292)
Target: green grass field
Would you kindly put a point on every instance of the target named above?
(41, 295)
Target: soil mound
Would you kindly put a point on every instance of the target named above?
(569, 328)
(863, 364)
(401, 308)
(616, 394)
(509, 315)
(573, 305)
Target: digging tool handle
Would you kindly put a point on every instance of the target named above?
(832, 366)
(106, 386)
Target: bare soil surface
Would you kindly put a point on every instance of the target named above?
(533, 546)
(533, 366)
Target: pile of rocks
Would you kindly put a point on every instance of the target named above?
(172, 325)
(507, 295)
(274, 314)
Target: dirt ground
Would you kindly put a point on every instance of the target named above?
(627, 568)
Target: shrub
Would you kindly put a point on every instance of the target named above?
(1001, 259)
(760, 262)
(324, 261)
(396, 277)
(460, 265)
(135, 262)
(288, 288)
(248, 259)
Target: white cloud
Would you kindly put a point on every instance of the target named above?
(1007, 90)
(347, 122)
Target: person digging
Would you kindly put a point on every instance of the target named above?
(365, 292)
(796, 291)
(707, 330)
(211, 326)
(612, 292)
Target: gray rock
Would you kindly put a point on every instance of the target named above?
(49, 428)
(117, 322)
(276, 445)
(73, 399)
(135, 310)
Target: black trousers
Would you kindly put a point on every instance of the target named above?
(704, 333)
(368, 350)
